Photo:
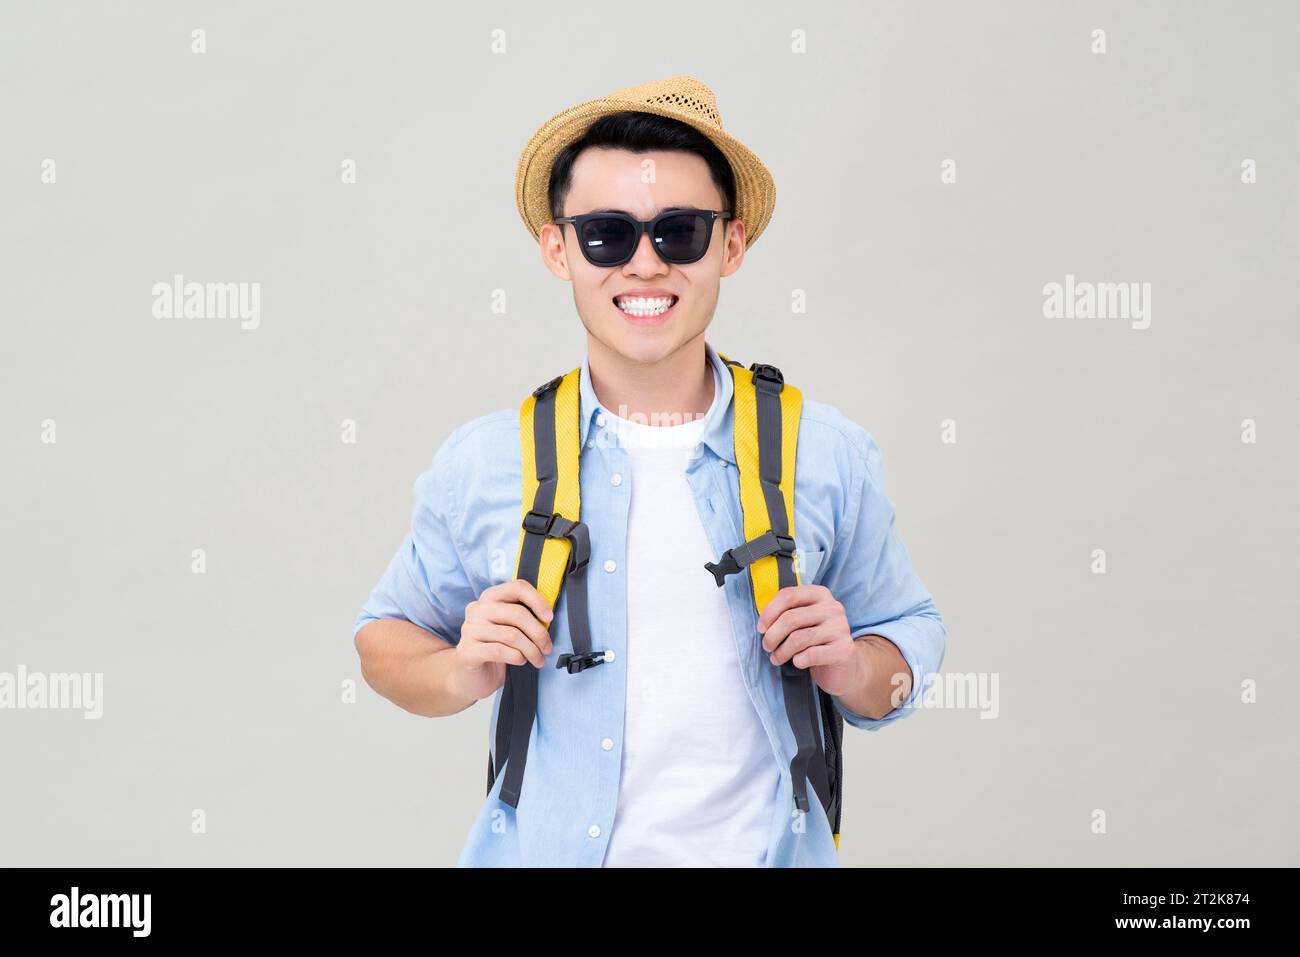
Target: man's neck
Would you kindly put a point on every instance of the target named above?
(677, 389)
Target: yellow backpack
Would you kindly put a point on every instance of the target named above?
(554, 549)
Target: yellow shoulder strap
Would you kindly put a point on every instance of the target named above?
(764, 572)
(559, 472)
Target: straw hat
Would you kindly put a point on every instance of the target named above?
(679, 97)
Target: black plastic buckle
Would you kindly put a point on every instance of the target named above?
(546, 387)
(575, 663)
(727, 565)
(768, 373)
(539, 523)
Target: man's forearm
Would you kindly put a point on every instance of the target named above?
(409, 666)
(883, 673)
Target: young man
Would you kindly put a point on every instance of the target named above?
(677, 749)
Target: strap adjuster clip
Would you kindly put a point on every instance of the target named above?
(546, 387)
(767, 373)
(573, 663)
(539, 523)
(735, 559)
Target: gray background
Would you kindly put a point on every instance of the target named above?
(222, 691)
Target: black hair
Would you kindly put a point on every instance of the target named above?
(640, 133)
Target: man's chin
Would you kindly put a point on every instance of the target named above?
(642, 345)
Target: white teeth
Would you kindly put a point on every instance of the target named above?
(642, 307)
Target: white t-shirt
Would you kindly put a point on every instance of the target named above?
(699, 779)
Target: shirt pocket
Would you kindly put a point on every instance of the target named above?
(809, 561)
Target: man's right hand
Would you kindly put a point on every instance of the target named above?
(506, 625)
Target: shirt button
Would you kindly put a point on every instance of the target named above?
(600, 418)
(608, 744)
(616, 479)
(594, 830)
(610, 565)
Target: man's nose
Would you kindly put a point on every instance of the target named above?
(645, 260)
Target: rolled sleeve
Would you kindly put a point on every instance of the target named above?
(870, 573)
(426, 582)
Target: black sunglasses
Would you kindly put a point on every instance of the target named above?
(679, 236)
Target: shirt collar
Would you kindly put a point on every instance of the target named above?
(718, 434)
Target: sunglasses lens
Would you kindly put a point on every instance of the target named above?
(684, 238)
(607, 242)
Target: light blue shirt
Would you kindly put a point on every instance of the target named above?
(464, 538)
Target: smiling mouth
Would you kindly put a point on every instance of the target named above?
(639, 309)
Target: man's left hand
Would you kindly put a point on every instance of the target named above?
(805, 625)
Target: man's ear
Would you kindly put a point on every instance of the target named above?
(734, 247)
(550, 241)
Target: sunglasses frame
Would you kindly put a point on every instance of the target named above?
(642, 227)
